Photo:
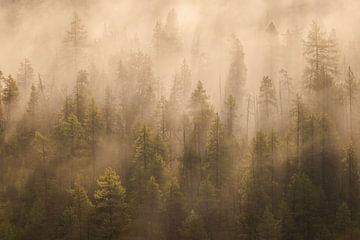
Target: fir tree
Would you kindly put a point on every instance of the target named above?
(193, 227)
(110, 206)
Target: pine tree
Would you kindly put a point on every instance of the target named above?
(269, 227)
(351, 180)
(343, 220)
(208, 206)
(193, 227)
(25, 75)
(110, 206)
(9, 95)
(141, 73)
(33, 101)
(236, 79)
(82, 209)
(81, 95)
(150, 210)
(143, 147)
(109, 112)
(69, 135)
(231, 107)
(93, 127)
(268, 103)
(163, 117)
(217, 159)
(171, 33)
(351, 88)
(174, 210)
(201, 113)
(299, 113)
(305, 201)
(321, 55)
(285, 94)
(181, 87)
(75, 41)
(158, 43)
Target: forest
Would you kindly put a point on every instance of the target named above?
(179, 120)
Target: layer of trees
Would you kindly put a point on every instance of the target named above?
(183, 169)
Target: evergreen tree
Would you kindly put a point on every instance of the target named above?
(93, 127)
(141, 73)
(230, 106)
(208, 207)
(149, 212)
(25, 75)
(269, 227)
(181, 87)
(201, 113)
(193, 227)
(351, 88)
(343, 220)
(75, 41)
(110, 207)
(268, 103)
(217, 159)
(33, 101)
(82, 209)
(109, 112)
(9, 95)
(305, 201)
(174, 210)
(321, 55)
(236, 79)
(351, 182)
(81, 95)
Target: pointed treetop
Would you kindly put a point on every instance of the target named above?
(271, 29)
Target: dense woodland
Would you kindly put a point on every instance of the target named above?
(117, 153)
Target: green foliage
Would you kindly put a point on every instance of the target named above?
(321, 53)
(81, 95)
(69, 133)
(218, 163)
(269, 227)
(306, 204)
(174, 210)
(110, 207)
(268, 102)
(193, 227)
(10, 91)
(236, 78)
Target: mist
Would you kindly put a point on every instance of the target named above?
(179, 119)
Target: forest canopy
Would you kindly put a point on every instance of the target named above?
(179, 120)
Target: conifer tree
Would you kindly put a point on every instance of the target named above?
(93, 127)
(343, 220)
(25, 75)
(231, 107)
(110, 206)
(75, 41)
(269, 227)
(207, 206)
(217, 159)
(351, 88)
(321, 54)
(109, 112)
(81, 95)
(82, 209)
(174, 210)
(201, 113)
(268, 103)
(193, 227)
(236, 79)
(150, 211)
(9, 95)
